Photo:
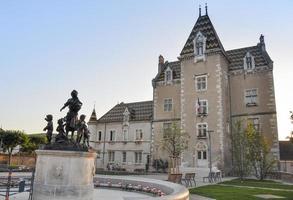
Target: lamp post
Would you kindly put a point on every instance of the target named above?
(210, 153)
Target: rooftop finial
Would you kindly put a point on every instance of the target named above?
(262, 42)
(206, 9)
(199, 10)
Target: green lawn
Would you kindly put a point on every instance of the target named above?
(257, 183)
(221, 192)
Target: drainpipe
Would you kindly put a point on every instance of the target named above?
(230, 120)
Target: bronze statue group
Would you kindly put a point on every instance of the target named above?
(70, 123)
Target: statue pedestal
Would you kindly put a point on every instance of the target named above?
(64, 175)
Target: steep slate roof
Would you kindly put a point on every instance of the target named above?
(175, 67)
(236, 56)
(286, 150)
(205, 26)
(140, 111)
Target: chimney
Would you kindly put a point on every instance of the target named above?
(262, 42)
(161, 62)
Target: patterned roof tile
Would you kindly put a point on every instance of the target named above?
(236, 56)
(139, 111)
(205, 26)
(174, 66)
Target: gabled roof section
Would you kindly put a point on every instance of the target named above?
(140, 111)
(205, 26)
(174, 66)
(261, 57)
(286, 150)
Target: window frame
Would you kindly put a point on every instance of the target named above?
(99, 138)
(112, 136)
(196, 83)
(251, 66)
(125, 135)
(198, 129)
(252, 119)
(248, 97)
(124, 156)
(138, 157)
(168, 107)
(139, 132)
(168, 70)
(111, 156)
(201, 155)
(198, 107)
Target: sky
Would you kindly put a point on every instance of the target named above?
(108, 50)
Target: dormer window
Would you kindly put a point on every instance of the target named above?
(248, 60)
(168, 75)
(199, 46)
(126, 116)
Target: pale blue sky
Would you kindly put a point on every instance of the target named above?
(108, 50)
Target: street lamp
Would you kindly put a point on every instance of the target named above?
(210, 153)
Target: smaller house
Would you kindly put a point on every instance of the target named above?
(122, 136)
(286, 156)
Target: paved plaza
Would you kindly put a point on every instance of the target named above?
(117, 194)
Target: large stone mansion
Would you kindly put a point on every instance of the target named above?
(205, 90)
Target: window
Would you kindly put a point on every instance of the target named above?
(201, 155)
(202, 107)
(251, 97)
(199, 45)
(112, 135)
(248, 60)
(100, 136)
(201, 83)
(249, 63)
(111, 156)
(126, 116)
(138, 157)
(139, 134)
(125, 135)
(168, 75)
(166, 126)
(167, 105)
(202, 129)
(255, 122)
(124, 157)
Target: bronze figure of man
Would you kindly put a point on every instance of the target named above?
(74, 106)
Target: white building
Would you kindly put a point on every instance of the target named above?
(123, 135)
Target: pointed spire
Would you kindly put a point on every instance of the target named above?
(93, 115)
(206, 9)
(199, 10)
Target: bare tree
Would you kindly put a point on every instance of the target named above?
(174, 141)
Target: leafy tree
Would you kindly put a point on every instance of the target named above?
(34, 142)
(11, 139)
(241, 163)
(259, 152)
(174, 141)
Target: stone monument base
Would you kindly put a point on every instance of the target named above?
(64, 175)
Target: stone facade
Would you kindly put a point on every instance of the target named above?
(64, 175)
(205, 91)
